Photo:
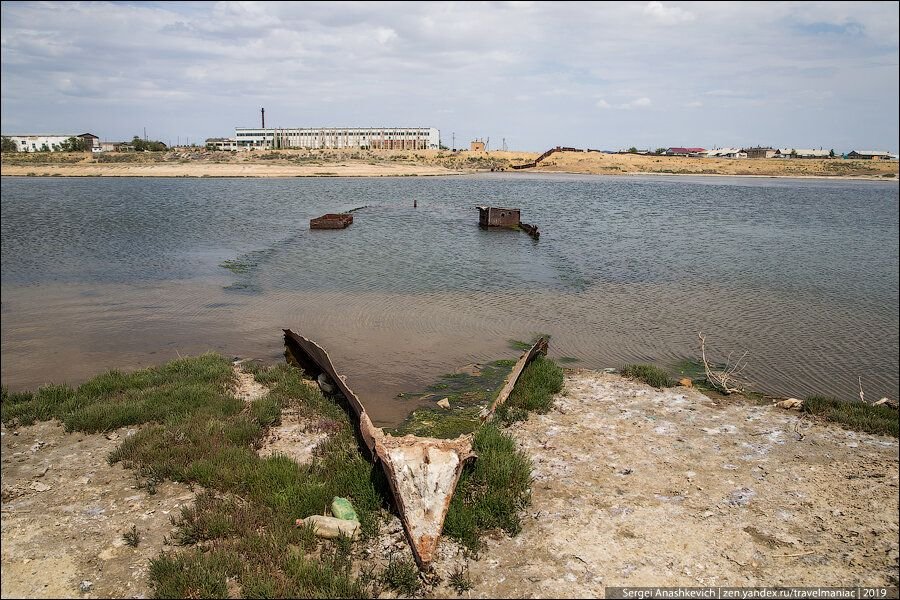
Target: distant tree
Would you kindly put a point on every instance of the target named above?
(147, 145)
(74, 144)
(8, 145)
(633, 150)
(661, 150)
(44, 148)
(831, 153)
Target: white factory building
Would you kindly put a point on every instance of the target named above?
(389, 138)
(50, 142)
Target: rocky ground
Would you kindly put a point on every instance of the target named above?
(633, 486)
(66, 512)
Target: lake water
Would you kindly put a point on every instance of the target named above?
(102, 273)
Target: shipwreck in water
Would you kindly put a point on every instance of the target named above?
(422, 471)
(509, 218)
(332, 221)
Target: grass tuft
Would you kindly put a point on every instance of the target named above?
(649, 374)
(854, 415)
(402, 575)
(459, 580)
(491, 492)
(534, 391)
(132, 537)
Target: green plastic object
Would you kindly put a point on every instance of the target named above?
(342, 509)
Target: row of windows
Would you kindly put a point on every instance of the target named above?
(333, 133)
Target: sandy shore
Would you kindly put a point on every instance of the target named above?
(633, 486)
(225, 170)
(347, 163)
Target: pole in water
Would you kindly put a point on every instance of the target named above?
(415, 203)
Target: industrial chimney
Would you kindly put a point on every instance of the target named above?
(262, 112)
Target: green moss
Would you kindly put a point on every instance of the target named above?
(468, 395)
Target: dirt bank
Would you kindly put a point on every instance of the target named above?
(396, 163)
(66, 511)
(633, 486)
(640, 487)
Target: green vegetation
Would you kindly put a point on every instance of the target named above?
(459, 580)
(242, 527)
(195, 431)
(132, 537)
(147, 145)
(7, 145)
(468, 393)
(854, 415)
(73, 144)
(237, 266)
(492, 491)
(402, 575)
(534, 391)
(648, 374)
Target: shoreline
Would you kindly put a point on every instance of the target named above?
(350, 163)
(631, 486)
(411, 173)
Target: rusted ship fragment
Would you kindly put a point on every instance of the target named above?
(331, 221)
(510, 218)
(422, 472)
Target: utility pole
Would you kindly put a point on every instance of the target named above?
(145, 134)
(453, 144)
(504, 144)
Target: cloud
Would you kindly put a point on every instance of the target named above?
(667, 15)
(642, 102)
(200, 69)
(638, 103)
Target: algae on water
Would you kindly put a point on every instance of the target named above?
(468, 391)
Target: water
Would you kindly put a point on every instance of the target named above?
(100, 273)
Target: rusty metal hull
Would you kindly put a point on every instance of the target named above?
(331, 221)
(422, 472)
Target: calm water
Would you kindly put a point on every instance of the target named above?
(802, 274)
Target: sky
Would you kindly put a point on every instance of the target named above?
(604, 75)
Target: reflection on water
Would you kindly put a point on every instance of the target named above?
(122, 273)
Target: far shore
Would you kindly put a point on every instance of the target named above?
(422, 163)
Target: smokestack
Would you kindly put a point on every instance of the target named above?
(262, 112)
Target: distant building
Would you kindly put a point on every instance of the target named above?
(222, 143)
(871, 155)
(726, 153)
(801, 153)
(685, 151)
(759, 152)
(50, 142)
(476, 146)
(116, 147)
(387, 138)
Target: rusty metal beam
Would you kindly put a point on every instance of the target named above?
(539, 347)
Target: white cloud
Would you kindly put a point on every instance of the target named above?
(667, 15)
(200, 69)
(638, 103)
